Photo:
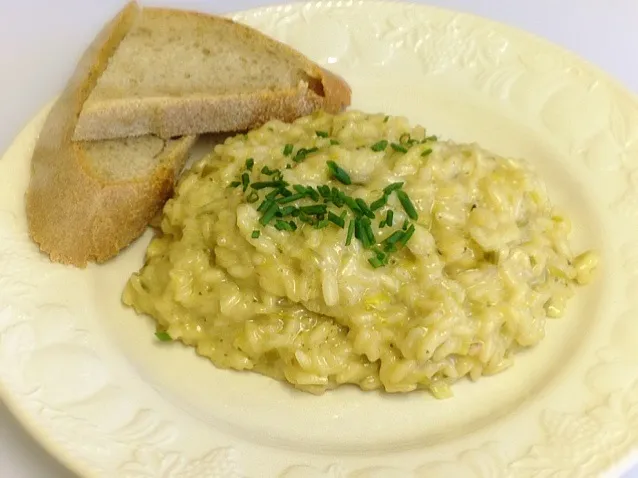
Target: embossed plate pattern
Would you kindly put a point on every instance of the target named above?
(87, 378)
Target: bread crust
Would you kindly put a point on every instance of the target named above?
(73, 215)
(168, 117)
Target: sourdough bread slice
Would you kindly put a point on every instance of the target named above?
(179, 73)
(88, 200)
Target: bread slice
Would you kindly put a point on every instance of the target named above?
(182, 73)
(86, 201)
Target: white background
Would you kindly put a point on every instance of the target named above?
(41, 39)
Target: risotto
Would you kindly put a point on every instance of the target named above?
(356, 249)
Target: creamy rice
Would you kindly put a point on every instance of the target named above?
(488, 261)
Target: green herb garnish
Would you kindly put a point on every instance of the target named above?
(338, 173)
(288, 149)
(314, 209)
(379, 203)
(364, 208)
(269, 214)
(291, 198)
(163, 336)
(392, 187)
(350, 232)
(379, 146)
(303, 153)
(268, 184)
(408, 234)
(426, 152)
(399, 148)
(322, 134)
(252, 197)
(333, 218)
(283, 225)
(256, 233)
(250, 162)
(407, 205)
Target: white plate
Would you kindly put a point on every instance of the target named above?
(88, 379)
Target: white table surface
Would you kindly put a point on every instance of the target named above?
(34, 66)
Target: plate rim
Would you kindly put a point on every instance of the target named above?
(30, 423)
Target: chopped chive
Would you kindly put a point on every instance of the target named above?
(408, 234)
(324, 191)
(295, 213)
(380, 145)
(426, 152)
(293, 225)
(431, 138)
(379, 203)
(288, 166)
(273, 194)
(337, 197)
(398, 148)
(288, 210)
(282, 225)
(389, 217)
(303, 217)
(357, 229)
(339, 173)
(382, 224)
(343, 214)
(268, 172)
(404, 138)
(390, 248)
(380, 254)
(245, 180)
(234, 184)
(250, 162)
(285, 192)
(303, 153)
(252, 197)
(314, 209)
(367, 231)
(291, 198)
(299, 188)
(265, 205)
(375, 262)
(407, 205)
(364, 208)
(406, 223)
(256, 233)
(392, 187)
(322, 134)
(288, 149)
(334, 142)
(163, 336)
(352, 204)
(269, 214)
(394, 237)
(385, 120)
(350, 232)
(314, 195)
(268, 184)
(333, 218)
(322, 223)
